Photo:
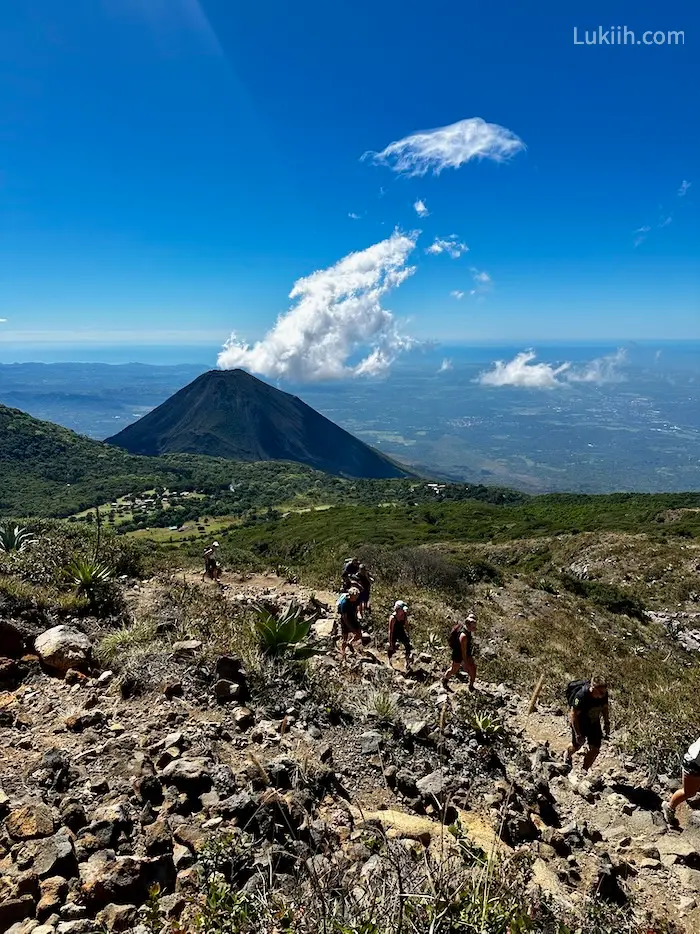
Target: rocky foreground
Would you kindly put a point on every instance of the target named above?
(123, 809)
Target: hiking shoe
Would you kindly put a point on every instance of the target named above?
(669, 816)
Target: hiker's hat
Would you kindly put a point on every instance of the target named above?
(400, 605)
(215, 545)
(471, 618)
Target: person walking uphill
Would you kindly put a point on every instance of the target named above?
(461, 642)
(588, 702)
(398, 631)
(351, 634)
(691, 784)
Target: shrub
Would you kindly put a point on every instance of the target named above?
(283, 633)
(15, 539)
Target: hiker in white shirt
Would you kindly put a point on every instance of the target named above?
(691, 784)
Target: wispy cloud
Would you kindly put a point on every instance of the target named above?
(337, 314)
(448, 147)
(482, 281)
(456, 293)
(420, 208)
(523, 372)
(641, 234)
(445, 365)
(601, 370)
(665, 219)
(353, 216)
(451, 245)
(3, 320)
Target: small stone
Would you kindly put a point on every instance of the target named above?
(371, 742)
(117, 917)
(172, 689)
(650, 864)
(53, 895)
(213, 823)
(243, 718)
(227, 690)
(99, 785)
(432, 785)
(187, 647)
(314, 731)
(105, 678)
(173, 739)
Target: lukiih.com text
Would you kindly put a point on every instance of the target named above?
(623, 35)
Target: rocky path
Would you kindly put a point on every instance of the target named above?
(103, 794)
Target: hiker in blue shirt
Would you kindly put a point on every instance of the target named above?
(351, 634)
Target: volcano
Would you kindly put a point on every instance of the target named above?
(231, 414)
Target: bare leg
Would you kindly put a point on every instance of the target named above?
(470, 668)
(691, 786)
(451, 671)
(590, 757)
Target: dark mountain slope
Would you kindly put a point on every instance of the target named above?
(231, 414)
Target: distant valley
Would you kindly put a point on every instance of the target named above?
(641, 433)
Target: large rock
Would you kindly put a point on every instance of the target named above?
(30, 821)
(54, 856)
(106, 878)
(64, 647)
(432, 785)
(189, 775)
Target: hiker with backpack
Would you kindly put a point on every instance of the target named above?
(351, 633)
(212, 567)
(350, 569)
(588, 702)
(690, 787)
(461, 642)
(398, 631)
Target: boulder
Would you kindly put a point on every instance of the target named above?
(64, 647)
(53, 896)
(243, 718)
(30, 821)
(189, 775)
(432, 785)
(15, 909)
(118, 917)
(54, 856)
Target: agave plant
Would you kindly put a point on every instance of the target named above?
(15, 539)
(88, 577)
(486, 727)
(283, 633)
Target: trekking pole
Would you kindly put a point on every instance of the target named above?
(535, 694)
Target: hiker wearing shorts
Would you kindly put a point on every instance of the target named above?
(461, 642)
(364, 581)
(588, 702)
(350, 631)
(398, 631)
(350, 569)
(691, 784)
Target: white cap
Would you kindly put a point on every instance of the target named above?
(215, 545)
(471, 618)
(400, 605)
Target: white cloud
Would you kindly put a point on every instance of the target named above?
(482, 281)
(600, 371)
(456, 293)
(353, 216)
(3, 320)
(451, 245)
(445, 365)
(641, 234)
(448, 147)
(420, 208)
(522, 372)
(682, 191)
(666, 221)
(337, 314)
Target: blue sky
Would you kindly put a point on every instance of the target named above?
(169, 169)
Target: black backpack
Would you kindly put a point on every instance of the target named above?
(572, 689)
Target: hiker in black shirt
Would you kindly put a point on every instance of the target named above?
(461, 642)
(587, 704)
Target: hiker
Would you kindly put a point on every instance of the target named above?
(350, 569)
(691, 784)
(461, 642)
(212, 567)
(588, 701)
(398, 631)
(350, 631)
(364, 581)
